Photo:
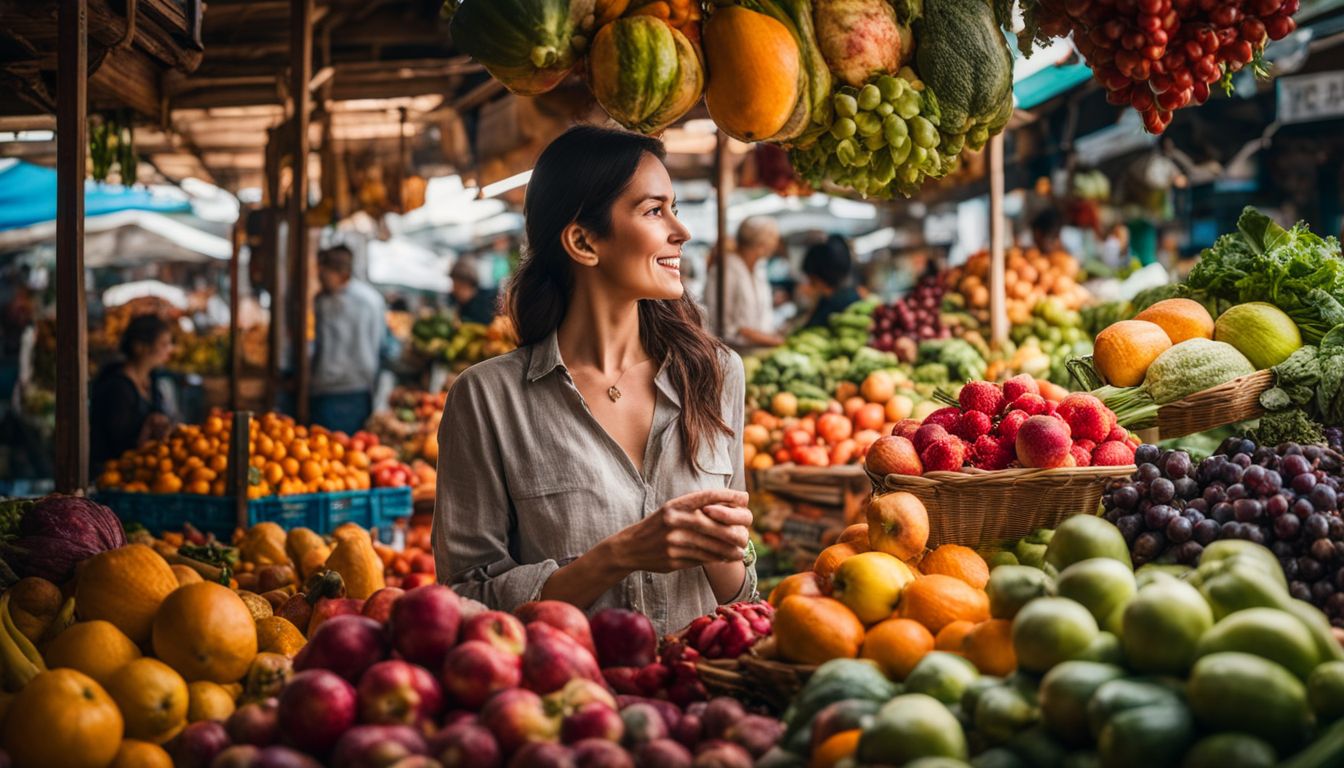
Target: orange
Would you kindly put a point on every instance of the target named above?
(152, 699)
(273, 473)
(836, 748)
(952, 637)
(990, 647)
(141, 754)
(856, 535)
(937, 600)
(291, 466)
(167, 482)
(208, 701)
(814, 630)
(1182, 319)
(214, 425)
(206, 632)
(185, 574)
(276, 634)
(806, 583)
(62, 719)
(958, 561)
(124, 586)
(828, 562)
(96, 648)
(1123, 351)
(897, 645)
(218, 463)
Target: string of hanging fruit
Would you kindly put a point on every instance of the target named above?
(868, 96)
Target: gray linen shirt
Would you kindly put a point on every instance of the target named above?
(351, 324)
(529, 481)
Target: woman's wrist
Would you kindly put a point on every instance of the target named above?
(610, 556)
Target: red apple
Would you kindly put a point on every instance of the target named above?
(904, 428)
(553, 658)
(592, 721)
(455, 716)
(237, 756)
(413, 580)
(474, 671)
(577, 693)
(346, 645)
(424, 624)
(623, 679)
(330, 607)
(379, 605)
(376, 746)
(502, 630)
(297, 610)
(316, 707)
(893, 455)
(198, 744)
(624, 638)
(662, 753)
(254, 723)
(723, 754)
(562, 616)
(600, 753)
(397, 692)
(284, 757)
(543, 755)
(517, 716)
(465, 745)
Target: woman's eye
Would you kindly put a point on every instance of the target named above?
(658, 210)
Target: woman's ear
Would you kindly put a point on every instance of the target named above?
(578, 243)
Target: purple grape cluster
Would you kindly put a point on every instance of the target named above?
(1285, 497)
(916, 316)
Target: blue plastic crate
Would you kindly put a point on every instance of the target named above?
(390, 505)
(212, 514)
(347, 507)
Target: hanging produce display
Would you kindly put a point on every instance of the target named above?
(1161, 55)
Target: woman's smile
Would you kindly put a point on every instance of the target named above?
(670, 263)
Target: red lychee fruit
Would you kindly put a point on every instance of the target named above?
(927, 435)
(992, 453)
(945, 455)
(972, 425)
(1034, 405)
(982, 396)
(1010, 423)
(946, 418)
(1081, 457)
(1113, 453)
(1019, 385)
(1088, 417)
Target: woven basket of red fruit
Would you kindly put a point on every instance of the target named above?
(1001, 463)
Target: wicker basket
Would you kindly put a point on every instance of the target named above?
(987, 510)
(1228, 403)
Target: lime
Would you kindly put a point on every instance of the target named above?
(942, 675)
(1240, 692)
(1102, 585)
(909, 727)
(1012, 586)
(1082, 537)
(1264, 632)
(1230, 750)
(1050, 630)
(1325, 691)
(1162, 627)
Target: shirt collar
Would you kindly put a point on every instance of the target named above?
(546, 358)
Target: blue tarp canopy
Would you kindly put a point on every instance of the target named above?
(28, 196)
(1039, 87)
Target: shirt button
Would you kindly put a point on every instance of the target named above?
(648, 578)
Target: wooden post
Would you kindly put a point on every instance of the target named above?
(235, 298)
(240, 464)
(998, 311)
(275, 278)
(72, 358)
(301, 73)
(723, 190)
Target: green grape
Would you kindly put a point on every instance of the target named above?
(846, 105)
(862, 158)
(834, 167)
(908, 174)
(843, 128)
(868, 123)
(923, 132)
(884, 109)
(918, 155)
(908, 106)
(977, 137)
(900, 152)
(894, 129)
(891, 87)
(846, 150)
(869, 97)
(874, 142)
(953, 144)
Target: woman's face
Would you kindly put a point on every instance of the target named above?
(641, 255)
(162, 350)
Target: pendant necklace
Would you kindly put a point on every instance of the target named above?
(614, 392)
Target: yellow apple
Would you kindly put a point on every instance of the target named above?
(870, 585)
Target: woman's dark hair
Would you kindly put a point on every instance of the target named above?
(578, 178)
(830, 262)
(143, 331)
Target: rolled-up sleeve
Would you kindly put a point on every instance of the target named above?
(474, 520)
(734, 409)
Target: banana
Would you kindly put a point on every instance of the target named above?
(64, 618)
(19, 669)
(21, 640)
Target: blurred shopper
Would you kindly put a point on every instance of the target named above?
(828, 271)
(473, 303)
(127, 408)
(1045, 229)
(351, 328)
(748, 318)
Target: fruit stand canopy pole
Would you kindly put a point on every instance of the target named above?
(301, 74)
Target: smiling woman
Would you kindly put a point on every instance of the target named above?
(599, 463)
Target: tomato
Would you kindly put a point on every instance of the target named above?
(834, 428)
(797, 438)
(1279, 27)
(1173, 99)
(1182, 79)
(1119, 97)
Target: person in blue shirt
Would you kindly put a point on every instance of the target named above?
(828, 278)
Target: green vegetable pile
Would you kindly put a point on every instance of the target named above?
(1308, 392)
(1293, 269)
(948, 361)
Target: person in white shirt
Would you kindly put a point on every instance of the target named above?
(351, 324)
(749, 302)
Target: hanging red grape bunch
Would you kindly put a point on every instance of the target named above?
(1160, 55)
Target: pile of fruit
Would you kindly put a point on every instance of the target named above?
(841, 433)
(1045, 345)
(1161, 55)
(1174, 349)
(1283, 497)
(410, 423)
(871, 95)
(1030, 278)
(1003, 426)
(287, 459)
(915, 317)
(442, 337)
(137, 654)
(206, 354)
(1083, 663)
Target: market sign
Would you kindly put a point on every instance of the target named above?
(1305, 98)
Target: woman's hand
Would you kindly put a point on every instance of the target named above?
(688, 531)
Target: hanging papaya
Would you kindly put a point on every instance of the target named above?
(644, 73)
(528, 45)
(757, 85)
(682, 15)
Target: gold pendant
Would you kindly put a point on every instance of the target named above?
(614, 393)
